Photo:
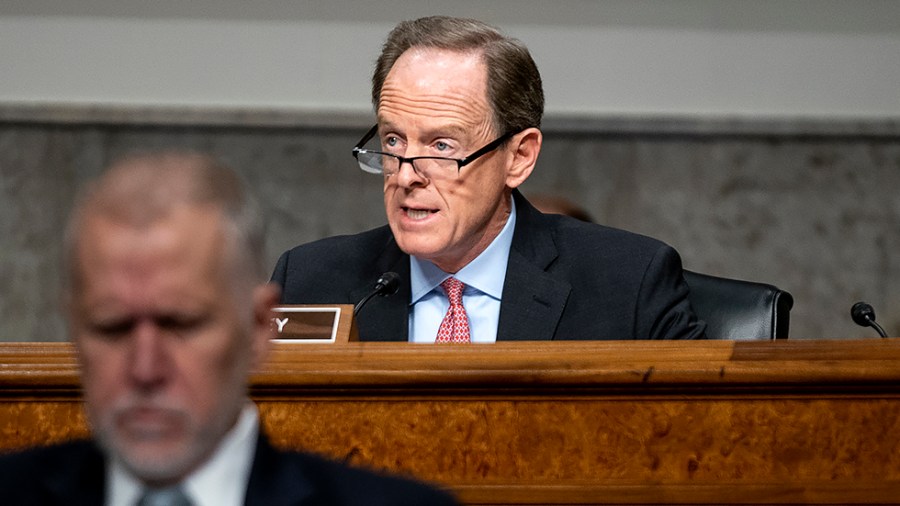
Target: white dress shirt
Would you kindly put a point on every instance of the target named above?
(483, 277)
(221, 481)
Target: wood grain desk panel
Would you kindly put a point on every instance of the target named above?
(786, 422)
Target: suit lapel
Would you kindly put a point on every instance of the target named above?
(533, 300)
(385, 318)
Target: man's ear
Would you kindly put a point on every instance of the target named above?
(525, 147)
(265, 297)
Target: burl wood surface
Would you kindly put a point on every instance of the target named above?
(717, 422)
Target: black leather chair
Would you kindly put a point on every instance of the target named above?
(739, 310)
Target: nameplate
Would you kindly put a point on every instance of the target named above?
(314, 323)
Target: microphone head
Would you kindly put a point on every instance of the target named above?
(388, 284)
(863, 314)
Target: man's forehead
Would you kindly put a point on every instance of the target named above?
(184, 229)
(439, 87)
(441, 57)
(440, 71)
(113, 256)
(436, 126)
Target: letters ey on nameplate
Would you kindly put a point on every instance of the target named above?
(314, 323)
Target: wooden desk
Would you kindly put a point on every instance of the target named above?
(787, 422)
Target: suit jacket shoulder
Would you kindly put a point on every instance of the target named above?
(343, 270)
(567, 279)
(65, 474)
(334, 267)
(295, 479)
(74, 474)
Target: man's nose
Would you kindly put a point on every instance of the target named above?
(149, 361)
(408, 176)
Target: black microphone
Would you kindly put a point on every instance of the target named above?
(864, 315)
(387, 284)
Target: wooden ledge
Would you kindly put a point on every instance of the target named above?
(647, 366)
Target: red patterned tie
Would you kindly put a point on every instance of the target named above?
(455, 326)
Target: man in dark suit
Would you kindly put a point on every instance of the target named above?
(169, 312)
(459, 107)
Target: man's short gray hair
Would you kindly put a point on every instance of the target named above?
(140, 189)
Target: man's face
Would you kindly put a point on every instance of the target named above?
(434, 103)
(164, 344)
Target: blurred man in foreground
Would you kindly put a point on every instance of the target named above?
(459, 108)
(169, 312)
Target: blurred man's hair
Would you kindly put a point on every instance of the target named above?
(141, 189)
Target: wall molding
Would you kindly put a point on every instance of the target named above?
(612, 124)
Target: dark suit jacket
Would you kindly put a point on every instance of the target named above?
(566, 279)
(73, 474)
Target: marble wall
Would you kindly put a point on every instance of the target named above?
(811, 206)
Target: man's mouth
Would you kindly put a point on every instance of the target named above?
(149, 423)
(418, 214)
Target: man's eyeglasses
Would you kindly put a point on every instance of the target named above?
(429, 167)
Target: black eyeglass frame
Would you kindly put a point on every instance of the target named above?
(460, 162)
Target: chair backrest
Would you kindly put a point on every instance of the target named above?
(739, 310)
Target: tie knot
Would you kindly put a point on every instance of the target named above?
(173, 496)
(454, 289)
(455, 325)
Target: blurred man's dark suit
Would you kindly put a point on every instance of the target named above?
(73, 474)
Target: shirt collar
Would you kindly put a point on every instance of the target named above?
(221, 480)
(485, 273)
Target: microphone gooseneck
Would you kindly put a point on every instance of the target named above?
(864, 315)
(387, 284)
